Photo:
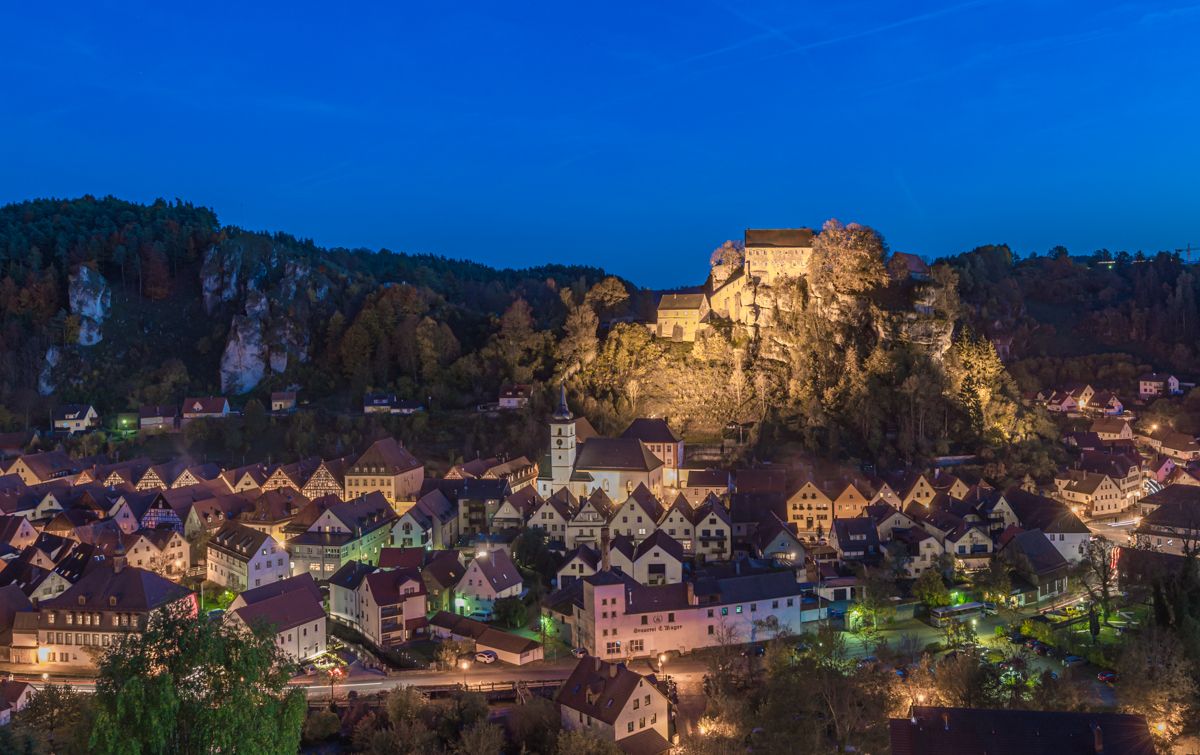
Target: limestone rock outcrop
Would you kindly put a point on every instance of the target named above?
(91, 301)
(244, 363)
(46, 384)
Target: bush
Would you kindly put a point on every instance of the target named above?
(934, 647)
(322, 726)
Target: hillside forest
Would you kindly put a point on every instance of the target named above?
(182, 305)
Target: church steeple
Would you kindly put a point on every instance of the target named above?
(563, 412)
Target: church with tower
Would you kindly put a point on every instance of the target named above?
(580, 462)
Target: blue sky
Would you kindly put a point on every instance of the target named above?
(632, 136)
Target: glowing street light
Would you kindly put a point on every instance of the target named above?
(464, 668)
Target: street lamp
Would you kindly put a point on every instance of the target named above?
(464, 668)
(662, 659)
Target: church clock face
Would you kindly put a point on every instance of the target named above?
(560, 442)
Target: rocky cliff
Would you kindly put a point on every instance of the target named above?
(90, 300)
(275, 325)
(244, 363)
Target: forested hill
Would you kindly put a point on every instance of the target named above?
(166, 334)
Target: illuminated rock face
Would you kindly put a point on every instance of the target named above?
(91, 301)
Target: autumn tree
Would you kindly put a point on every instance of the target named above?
(994, 581)
(732, 253)
(608, 297)
(847, 258)
(875, 593)
(579, 344)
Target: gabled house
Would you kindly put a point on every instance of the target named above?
(442, 573)
(855, 539)
(293, 608)
(213, 407)
(240, 558)
(283, 401)
(386, 467)
(343, 591)
(923, 549)
(431, 522)
(594, 513)
(158, 415)
(698, 484)
(712, 531)
(904, 266)
(292, 475)
(681, 316)
(516, 509)
(615, 704)
(638, 517)
(47, 466)
(329, 478)
(353, 530)
(489, 578)
(109, 601)
(1106, 403)
(663, 442)
(1152, 385)
(552, 515)
(1041, 568)
(514, 396)
(1112, 428)
(392, 606)
(887, 519)
(1053, 518)
(776, 540)
(75, 418)
(658, 560)
(579, 563)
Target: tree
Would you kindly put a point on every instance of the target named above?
(1097, 572)
(510, 612)
(406, 704)
(482, 738)
(897, 559)
(536, 725)
(1154, 679)
(449, 651)
(56, 708)
(190, 685)
(254, 418)
(931, 590)
(579, 343)
(608, 297)
(994, 582)
(732, 253)
(875, 593)
(847, 258)
(585, 742)
(322, 725)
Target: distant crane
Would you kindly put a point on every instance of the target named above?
(1189, 253)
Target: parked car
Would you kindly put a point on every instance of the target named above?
(579, 652)
(1042, 649)
(1032, 643)
(310, 670)
(754, 651)
(870, 660)
(1015, 639)
(485, 656)
(1107, 677)
(989, 608)
(216, 613)
(1012, 663)
(1073, 660)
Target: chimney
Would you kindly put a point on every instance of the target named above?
(605, 561)
(119, 557)
(596, 665)
(691, 593)
(1099, 733)
(946, 720)
(612, 671)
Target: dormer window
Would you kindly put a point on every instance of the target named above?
(81, 600)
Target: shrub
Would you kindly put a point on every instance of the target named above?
(934, 647)
(322, 725)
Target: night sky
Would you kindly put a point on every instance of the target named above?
(632, 136)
